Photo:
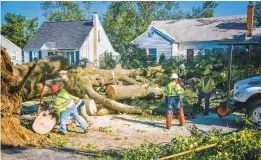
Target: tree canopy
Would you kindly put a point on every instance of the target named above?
(66, 10)
(18, 29)
(257, 17)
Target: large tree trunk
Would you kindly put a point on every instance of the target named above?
(47, 66)
(12, 132)
(118, 92)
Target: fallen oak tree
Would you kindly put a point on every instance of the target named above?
(13, 133)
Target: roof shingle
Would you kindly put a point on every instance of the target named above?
(65, 34)
(206, 29)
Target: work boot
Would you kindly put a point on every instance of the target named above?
(168, 120)
(62, 133)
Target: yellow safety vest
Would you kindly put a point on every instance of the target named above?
(172, 90)
(63, 101)
(209, 86)
(182, 72)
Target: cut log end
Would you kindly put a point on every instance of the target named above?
(111, 92)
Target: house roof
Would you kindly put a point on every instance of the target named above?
(5, 42)
(206, 29)
(62, 34)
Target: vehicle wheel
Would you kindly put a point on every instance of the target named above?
(255, 111)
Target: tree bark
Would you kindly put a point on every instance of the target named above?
(118, 92)
(50, 65)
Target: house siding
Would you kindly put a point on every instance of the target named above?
(182, 47)
(156, 41)
(12, 50)
(104, 44)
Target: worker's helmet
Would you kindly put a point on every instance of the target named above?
(55, 88)
(206, 72)
(182, 66)
(174, 76)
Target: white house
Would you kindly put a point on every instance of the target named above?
(78, 39)
(187, 37)
(13, 50)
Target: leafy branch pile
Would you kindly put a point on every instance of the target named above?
(245, 144)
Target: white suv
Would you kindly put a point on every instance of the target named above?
(247, 94)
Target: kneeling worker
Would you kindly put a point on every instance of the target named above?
(65, 107)
(173, 96)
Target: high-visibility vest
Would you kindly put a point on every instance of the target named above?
(63, 101)
(172, 90)
(182, 72)
(209, 86)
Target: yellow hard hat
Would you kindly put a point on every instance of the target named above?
(206, 72)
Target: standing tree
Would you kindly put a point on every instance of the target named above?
(257, 15)
(17, 29)
(124, 21)
(65, 10)
(205, 11)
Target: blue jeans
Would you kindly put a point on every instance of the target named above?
(207, 97)
(173, 102)
(70, 112)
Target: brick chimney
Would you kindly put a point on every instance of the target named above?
(250, 18)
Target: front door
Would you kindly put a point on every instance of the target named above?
(190, 53)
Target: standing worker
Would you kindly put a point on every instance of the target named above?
(173, 96)
(182, 73)
(206, 89)
(65, 107)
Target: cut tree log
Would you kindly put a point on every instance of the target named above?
(118, 92)
(91, 107)
(105, 111)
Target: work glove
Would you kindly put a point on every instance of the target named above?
(47, 112)
(180, 99)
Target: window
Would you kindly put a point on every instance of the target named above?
(30, 56)
(13, 55)
(50, 53)
(40, 54)
(35, 56)
(152, 54)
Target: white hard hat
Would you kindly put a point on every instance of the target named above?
(174, 76)
(182, 66)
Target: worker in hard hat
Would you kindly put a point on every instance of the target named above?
(182, 73)
(81, 108)
(173, 97)
(206, 89)
(65, 107)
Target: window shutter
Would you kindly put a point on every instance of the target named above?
(72, 57)
(30, 56)
(77, 57)
(40, 55)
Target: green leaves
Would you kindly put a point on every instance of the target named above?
(66, 10)
(18, 29)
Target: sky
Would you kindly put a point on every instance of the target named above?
(33, 9)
